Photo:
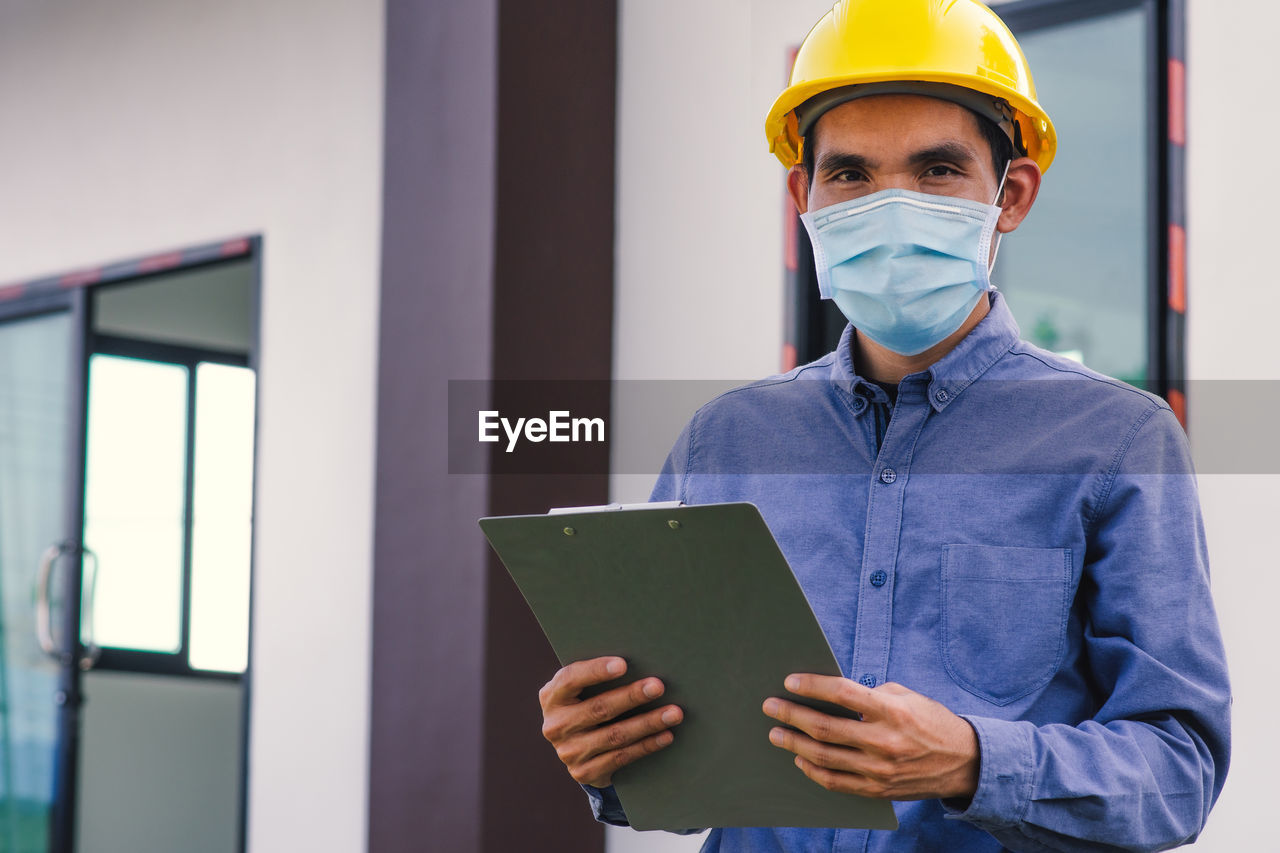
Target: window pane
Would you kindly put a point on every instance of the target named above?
(1076, 272)
(134, 500)
(222, 517)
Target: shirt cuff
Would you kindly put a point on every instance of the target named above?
(1005, 777)
(605, 805)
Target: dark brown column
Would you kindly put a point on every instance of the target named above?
(497, 263)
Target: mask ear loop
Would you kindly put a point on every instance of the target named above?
(996, 235)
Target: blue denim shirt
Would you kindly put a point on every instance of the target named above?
(1025, 546)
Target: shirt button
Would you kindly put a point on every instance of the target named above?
(888, 475)
(869, 680)
(878, 578)
(859, 404)
(941, 395)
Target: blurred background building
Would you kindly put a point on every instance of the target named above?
(246, 246)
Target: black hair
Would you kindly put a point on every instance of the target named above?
(998, 142)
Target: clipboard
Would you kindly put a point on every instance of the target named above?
(702, 597)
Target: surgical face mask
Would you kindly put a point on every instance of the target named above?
(905, 268)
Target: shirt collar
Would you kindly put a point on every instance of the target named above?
(947, 377)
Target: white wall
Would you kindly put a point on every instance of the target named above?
(700, 287)
(142, 125)
(699, 224)
(1233, 302)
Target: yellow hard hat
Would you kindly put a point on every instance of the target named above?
(954, 49)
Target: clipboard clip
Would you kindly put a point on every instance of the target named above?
(565, 510)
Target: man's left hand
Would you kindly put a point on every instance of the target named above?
(905, 747)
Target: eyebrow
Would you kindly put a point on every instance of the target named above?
(838, 161)
(955, 152)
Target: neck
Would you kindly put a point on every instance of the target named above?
(884, 365)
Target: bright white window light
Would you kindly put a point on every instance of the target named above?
(222, 517)
(134, 485)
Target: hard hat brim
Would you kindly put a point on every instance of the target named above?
(783, 130)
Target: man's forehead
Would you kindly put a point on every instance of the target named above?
(915, 120)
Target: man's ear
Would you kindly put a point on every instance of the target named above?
(798, 187)
(1021, 186)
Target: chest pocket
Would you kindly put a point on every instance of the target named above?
(1004, 617)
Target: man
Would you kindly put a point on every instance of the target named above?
(1003, 547)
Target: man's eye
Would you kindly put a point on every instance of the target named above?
(939, 171)
(849, 175)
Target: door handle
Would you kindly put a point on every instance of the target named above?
(44, 621)
(92, 651)
(44, 605)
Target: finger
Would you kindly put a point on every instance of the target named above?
(564, 720)
(569, 681)
(599, 771)
(836, 780)
(836, 690)
(843, 758)
(816, 724)
(585, 746)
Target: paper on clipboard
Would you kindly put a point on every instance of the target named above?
(702, 597)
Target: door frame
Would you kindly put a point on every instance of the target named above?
(70, 292)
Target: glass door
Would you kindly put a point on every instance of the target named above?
(41, 459)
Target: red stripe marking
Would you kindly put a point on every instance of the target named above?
(788, 357)
(1178, 269)
(80, 278)
(234, 247)
(790, 241)
(12, 291)
(1177, 102)
(1178, 402)
(160, 262)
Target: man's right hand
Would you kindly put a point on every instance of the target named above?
(583, 731)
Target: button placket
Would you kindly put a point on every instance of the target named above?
(869, 663)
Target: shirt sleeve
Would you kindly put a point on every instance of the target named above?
(605, 805)
(1143, 773)
(673, 479)
(607, 808)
